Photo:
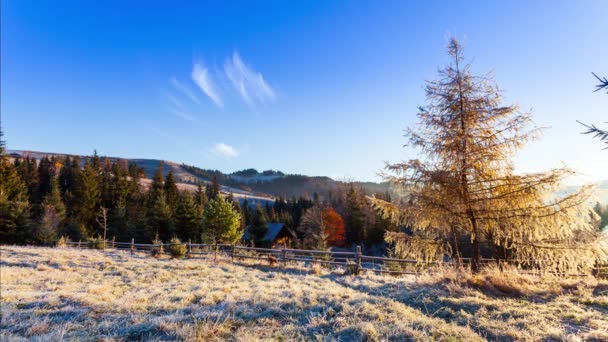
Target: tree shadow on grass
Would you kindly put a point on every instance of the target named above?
(429, 300)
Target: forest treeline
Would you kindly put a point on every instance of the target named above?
(43, 200)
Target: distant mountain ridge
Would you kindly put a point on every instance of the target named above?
(266, 184)
(245, 183)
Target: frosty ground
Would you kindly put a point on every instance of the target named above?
(68, 294)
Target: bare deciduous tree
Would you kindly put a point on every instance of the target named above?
(102, 220)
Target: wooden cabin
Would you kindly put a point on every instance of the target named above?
(278, 235)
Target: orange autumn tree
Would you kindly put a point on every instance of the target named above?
(334, 227)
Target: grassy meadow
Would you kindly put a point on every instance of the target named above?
(51, 294)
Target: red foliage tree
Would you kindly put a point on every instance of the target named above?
(334, 227)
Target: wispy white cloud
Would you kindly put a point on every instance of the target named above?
(182, 114)
(224, 150)
(184, 89)
(250, 84)
(174, 101)
(200, 76)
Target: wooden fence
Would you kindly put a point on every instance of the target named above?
(353, 262)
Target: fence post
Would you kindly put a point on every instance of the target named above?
(232, 253)
(113, 241)
(284, 257)
(132, 245)
(78, 244)
(189, 248)
(358, 266)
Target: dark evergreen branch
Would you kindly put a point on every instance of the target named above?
(603, 82)
(596, 132)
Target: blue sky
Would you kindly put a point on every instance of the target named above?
(311, 87)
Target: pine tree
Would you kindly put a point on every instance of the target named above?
(187, 220)
(157, 186)
(159, 217)
(45, 173)
(69, 176)
(14, 205)
(46, 230)
(200, 196)
(28, 172)
(246, 211)
(466, 185)
(118, 221)
(139, 205)
(171, 192)
(257, 229)
(213, 189)
(53, 199)
(221, 222)
(88, 196)
(354, 217)
(106, 184)
(53, 212)
(96, 161)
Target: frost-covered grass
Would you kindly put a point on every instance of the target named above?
(66, 294)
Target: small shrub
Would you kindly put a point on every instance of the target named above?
(158, 249)
(351, 268)
(63, 242)
(176, 248)
(96, 243)
(317, 269)
(272, 260)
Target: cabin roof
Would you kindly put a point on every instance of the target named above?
(271, 234)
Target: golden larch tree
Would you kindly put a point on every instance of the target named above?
(466, 185)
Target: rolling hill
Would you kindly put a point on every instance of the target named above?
(250, 183)
(266, 185)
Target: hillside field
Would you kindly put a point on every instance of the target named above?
(53, 294)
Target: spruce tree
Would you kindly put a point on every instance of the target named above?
(200, 196)
(159, 217)
(28, 172)
(53, 199)
(246, 212)
(44, 176)
(354, 217)
(118, 221)
(14, 205)
(53, 215)
(257, 229)
(187, 220)
(69, 176)
(88, 196)
(157, 186)
(213, 189)
(106, 183)
(46, 230)
(171, 192)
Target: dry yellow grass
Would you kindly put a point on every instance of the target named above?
(62, 294)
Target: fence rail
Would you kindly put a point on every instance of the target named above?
(353, 262)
